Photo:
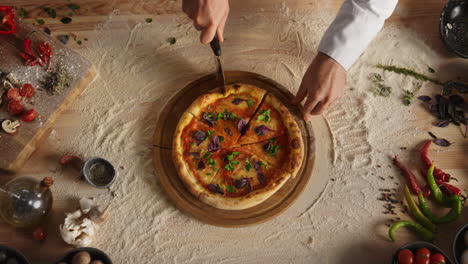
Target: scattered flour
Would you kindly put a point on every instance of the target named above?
(139, 71)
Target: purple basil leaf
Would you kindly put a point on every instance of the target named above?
(199, 136)
(432, 135)
(228, 131)
(457, 100)
(256, 165)
(242, 126)
(201, 165)
(237, 101)
(194, 154)
(214, 145)
(267, 146)
(442, 123)
(209, 119)
(442, 142)
(261, 178)
(241, 183)
(261, 130)
(216, 189)
(424, 98)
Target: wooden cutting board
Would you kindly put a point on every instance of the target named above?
(16, 149)
(176, 190)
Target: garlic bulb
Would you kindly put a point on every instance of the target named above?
(76, 230)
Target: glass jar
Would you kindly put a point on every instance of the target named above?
(25, 201)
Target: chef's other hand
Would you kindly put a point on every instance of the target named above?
(322, 84)
(209, 17)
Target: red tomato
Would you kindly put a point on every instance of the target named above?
(437, 258)
(14, 94)
(422, 256)
(29, 115)
(405, 256)
(27, 90)
(39, 233)
(15, 107)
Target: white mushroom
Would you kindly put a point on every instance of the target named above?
(77, 230)
(9, 126)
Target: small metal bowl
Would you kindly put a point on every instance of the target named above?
(459, 245)
(95, 253)
(421, 244)
(11, 252)
(454, 27)
(87, 167)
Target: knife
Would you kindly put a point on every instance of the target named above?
(216, 47)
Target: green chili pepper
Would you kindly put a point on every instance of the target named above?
(436, 191)
(420, 217)
(423, 232)
(451, 216)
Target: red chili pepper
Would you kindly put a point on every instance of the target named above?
(410, 178)
(450, 189)
(8, 20)
(45, 51)
(438, 173)
(426, 191)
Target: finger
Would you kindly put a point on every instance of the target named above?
(301, 94)
(309, 106)
(208, 34)
(220, 31)
(197, 26)
(320, 108)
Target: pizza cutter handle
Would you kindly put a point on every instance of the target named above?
(215, 46)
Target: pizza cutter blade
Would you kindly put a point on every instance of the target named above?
(216, 47)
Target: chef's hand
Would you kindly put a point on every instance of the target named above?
(322, 84)
(209, 17)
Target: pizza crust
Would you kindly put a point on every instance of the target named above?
(177, 143)
(212, 96)
(296, 144)
(243, 202)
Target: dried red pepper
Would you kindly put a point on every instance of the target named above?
(410, 178)
(45, 51)
(445, 187)
(8, 20)
(438, 173)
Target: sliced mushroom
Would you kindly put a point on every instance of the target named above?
(9, 126)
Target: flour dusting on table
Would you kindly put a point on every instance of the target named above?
(139, 70)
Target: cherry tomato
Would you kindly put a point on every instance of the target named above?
(437, 258)
(15, 107)
(27, 90)
(39, 233)
(422, 256)
(405, 256)
(14, 94)
(29, 115)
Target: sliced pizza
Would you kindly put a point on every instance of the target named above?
(284, 153)
(194, 136)
(243, 182)
(271, 120)
(228, 114)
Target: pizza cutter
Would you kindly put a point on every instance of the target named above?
(216, 47)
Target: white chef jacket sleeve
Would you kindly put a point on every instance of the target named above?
(357, 23)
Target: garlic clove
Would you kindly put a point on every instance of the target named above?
(98, 215)
(86, 204)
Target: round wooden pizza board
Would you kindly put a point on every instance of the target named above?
(175, 189)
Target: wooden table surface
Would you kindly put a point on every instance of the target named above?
(422, 16)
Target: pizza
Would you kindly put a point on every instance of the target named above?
(234, 150)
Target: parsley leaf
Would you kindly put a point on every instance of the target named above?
(248, 166)
(228, 167)
(234, 162)
(210, 132)
(211, 162)
(149, 20)
(73, 6)
(221, 139)
(250, 102)
(264, 116)
(235, 153)
(273, 150)
(171, 40)
(52, 13)
(207, 155)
